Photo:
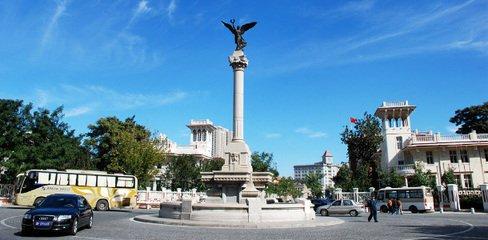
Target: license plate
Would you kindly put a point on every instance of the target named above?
(42, 224)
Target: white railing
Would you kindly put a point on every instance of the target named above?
(156, 197)
(409, 167)
(438, 138)
(395, 104)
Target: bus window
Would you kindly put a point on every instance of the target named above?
(46, 178)
(111, 181)
(391, 194)
(102, 181)
(62, 179)
(415, 193)
(402, 194)
(81, 180)
(125, 182)
(72, 179)
(91, 181)
(381, 195)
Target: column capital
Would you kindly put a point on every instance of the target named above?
(238, 60)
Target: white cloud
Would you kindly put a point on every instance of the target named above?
(170, 10)
(60, 9)
(310, 133)
(78, 111)
(272, 135)
(142, 8)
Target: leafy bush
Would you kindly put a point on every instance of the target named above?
(471, 201)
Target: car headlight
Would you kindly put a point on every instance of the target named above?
(64, 217)
(27, 216)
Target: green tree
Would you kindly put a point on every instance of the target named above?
(125, 147)
(390, 179)
(264, 162)
(363, 141)
(314, 183)
(214, 164)
(422, 178)
(471, 118)
(286, 186)
(448, 177)
(37, 139)
(183, 172)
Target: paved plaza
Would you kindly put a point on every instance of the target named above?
(119, 225)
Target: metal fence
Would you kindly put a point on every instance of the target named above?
(6, 190)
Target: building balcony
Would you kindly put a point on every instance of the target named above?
(438, 139)
(405, 170)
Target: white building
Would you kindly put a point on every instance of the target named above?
(465, 154)
(325, 167)
(206, 141)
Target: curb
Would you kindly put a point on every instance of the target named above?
(154, 219)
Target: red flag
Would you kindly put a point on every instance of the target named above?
(353, 120)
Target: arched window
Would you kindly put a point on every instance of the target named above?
(194, 135)
(399, 122)
(405, 122)
(204, 135)
(392, 122)
(199, 135)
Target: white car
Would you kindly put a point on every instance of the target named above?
(345, 206)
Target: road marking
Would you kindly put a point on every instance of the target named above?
(471, 226)
(93, 238)
(6, 225)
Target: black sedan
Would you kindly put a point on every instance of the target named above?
(59, 212)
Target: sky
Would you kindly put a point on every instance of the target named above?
(312, 65)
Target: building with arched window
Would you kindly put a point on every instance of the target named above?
(402, 148)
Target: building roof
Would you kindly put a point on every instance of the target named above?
(327, 153)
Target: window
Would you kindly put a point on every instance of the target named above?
(199, 135)
(468, 181)
(91, 181)
(464, 156)
(125, 182)
(81, 180)
(111, 181)
(62, 179)
(194, 135)
(415, 193)
(453, 156)
(399, 141)
(46, 178)
(486, 155)
(457, 179)
(204, 138)
(72, 179)
(347, 203)
(336, 203)
(429, 157)
(102, 181)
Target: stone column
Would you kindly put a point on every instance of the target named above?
(440, 189)
(238, 62)
(338, 193)
(355, 194)
(484, 196)
(453, 194)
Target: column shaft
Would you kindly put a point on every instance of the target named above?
(238, 104)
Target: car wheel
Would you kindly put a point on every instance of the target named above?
(413, 209)
(353, 213)
(324, 212)
(102, 205)
(90, 222)
(74, 227)
(38, 200)
(384, 209)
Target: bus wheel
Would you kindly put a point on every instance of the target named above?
(413, 209)
(102, 205)
(38, 201)
(384, 209)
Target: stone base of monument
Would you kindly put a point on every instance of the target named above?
(254, 211)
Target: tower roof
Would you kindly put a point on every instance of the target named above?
(394, 110)
(327, 153)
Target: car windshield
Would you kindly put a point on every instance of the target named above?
(58, 202)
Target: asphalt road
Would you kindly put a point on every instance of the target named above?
(118, 225)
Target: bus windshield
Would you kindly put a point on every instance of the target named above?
(18, 183)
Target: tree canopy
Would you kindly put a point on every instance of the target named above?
(286, 186)
(124, 147)
(422, 178)
(264, 162)
(314, 182)
(363, 141)
(471, 118)
(37, 139)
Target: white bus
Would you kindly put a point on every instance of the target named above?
(102, 190)
(414, 199)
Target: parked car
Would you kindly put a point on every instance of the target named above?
(320, 202)
(59, 212)
(345, 206)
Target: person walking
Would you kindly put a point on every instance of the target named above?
(393, 206)
(373, 211)
(399, 207)
(389, 205)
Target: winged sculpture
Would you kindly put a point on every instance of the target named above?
(238, 31)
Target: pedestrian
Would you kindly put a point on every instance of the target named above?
(373, 211)
(399, 207)
(389, 204)
(393, 206)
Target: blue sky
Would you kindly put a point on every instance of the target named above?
(313, 64)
